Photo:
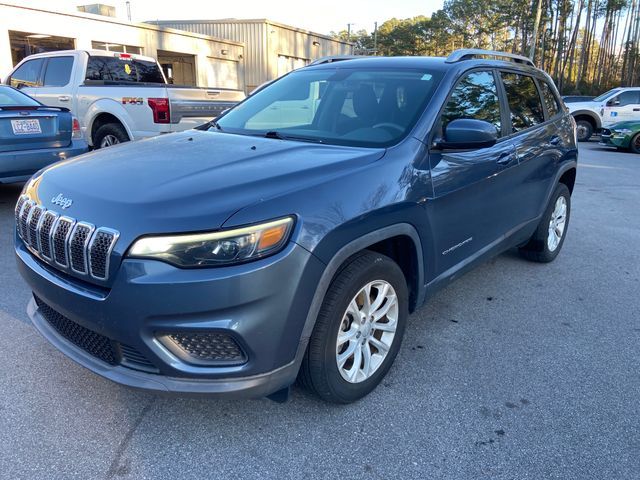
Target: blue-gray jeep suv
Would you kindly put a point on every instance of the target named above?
(292, 237)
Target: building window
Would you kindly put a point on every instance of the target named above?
(24, 44)
(116, 47)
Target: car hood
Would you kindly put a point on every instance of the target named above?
(630, 124)
(575, 106)
(189, 181)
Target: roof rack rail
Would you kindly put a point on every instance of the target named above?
(470, 53)
(334, 58)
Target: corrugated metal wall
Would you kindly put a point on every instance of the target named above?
(264, 42)
(252, 34)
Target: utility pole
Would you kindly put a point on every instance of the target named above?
(349, 32)
(129, 10)
(534, 40)
(375, 38)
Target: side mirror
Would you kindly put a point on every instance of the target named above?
(613, 103)
(467, 133)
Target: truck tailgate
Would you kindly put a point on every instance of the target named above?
(194, 106)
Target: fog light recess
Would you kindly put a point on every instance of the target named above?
(205, 348)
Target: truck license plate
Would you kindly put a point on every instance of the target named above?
(25, 127)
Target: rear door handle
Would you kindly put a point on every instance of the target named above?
(636, 109)
(64, 98)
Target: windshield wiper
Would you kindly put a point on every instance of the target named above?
(274, 134)
(279, 136)
(208, 125)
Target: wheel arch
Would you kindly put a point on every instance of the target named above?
(106, 111)
(592, 117)
(392, 239)
(568, 177)
(105, 118)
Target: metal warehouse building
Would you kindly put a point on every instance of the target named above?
(271, 49)
(188, 58)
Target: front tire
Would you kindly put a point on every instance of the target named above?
(547, 241)
(358, 331)
(110, 134)
(634, 145)
(584, 130)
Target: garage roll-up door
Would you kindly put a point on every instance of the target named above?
(222, 73)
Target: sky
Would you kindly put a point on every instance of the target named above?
(321, 17)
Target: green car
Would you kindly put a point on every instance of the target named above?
(622, 135)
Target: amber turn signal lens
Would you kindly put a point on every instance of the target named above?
(272, 237)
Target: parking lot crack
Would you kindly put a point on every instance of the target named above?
(115, 467)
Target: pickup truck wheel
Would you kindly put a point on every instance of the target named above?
(634, 145)
(584, 130)
(547, 241)
(110, 134)
(358, 331)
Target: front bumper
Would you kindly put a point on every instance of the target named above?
(262, 305)
(609, 139)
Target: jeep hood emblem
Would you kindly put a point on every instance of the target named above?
(62, 201)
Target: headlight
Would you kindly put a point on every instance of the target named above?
(216, 248)
(622, 131)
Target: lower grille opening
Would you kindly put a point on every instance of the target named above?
(203, 348)
(91, 342)
(97, 345)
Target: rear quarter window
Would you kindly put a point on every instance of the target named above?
(550, 100)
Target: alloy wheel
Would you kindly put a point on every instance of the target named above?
(557, 223)
(367, 331)
(109, 140)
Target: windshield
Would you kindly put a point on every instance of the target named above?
(340, 106)
(606, 95)
(12, 98)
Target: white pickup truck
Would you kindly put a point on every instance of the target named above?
(117, 97)
(616, 105)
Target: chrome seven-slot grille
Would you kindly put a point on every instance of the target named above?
(63, 241)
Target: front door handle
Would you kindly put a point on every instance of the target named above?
(636, 109)
(64, 98)
(505, 158)
(555, 140)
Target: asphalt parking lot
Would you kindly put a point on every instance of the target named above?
(517, 370)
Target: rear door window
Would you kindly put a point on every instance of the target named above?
(28, 74)
(58, 71)
(550, 100)
(524, 101)
(476, 97)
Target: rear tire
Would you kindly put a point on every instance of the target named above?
(547, 241)
(351, 336)
(584, 129)
(634, 145)
(109, 134)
